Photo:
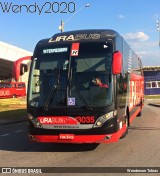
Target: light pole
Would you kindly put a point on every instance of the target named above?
(158, 29)
(61, 27)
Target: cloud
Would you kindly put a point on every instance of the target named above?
(150, 53)
(149, 58)
(136, 37)
(139, 46)
(146, 49)
(121, 16)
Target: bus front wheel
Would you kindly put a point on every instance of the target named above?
(127, 124)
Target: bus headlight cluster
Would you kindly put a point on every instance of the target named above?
(101, 120)
(34, 120)
(29, 116)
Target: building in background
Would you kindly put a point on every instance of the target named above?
(9, 55)
(152, 80)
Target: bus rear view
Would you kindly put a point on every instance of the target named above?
(73, 83)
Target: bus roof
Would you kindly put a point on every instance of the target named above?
(89, 35)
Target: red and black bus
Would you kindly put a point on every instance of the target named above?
(12, 89)
(85, 86)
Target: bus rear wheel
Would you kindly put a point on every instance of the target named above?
(140, 112)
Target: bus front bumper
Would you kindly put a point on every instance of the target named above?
(71, 138)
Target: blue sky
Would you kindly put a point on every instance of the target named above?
(134, 19)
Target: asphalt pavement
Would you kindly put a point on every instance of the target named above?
(11, 119)
(140, 148)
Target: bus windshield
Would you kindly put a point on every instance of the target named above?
(57, 77)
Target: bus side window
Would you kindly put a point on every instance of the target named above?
(21, 85)
(1, 85)
(8, 86)
(13, 85)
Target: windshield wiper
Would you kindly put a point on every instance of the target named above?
(52, 92)
(79, 95)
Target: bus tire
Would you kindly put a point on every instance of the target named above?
(140, 112)
(127, 124)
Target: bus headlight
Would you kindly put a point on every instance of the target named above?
(34, 120)
(29, 116)
(101, 120)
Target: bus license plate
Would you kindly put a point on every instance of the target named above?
(66, 136)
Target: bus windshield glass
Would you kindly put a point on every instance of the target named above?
(57, 77)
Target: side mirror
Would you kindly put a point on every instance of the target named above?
(117, 63)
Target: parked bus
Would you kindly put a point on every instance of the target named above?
(12, 89)
(85, 86)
